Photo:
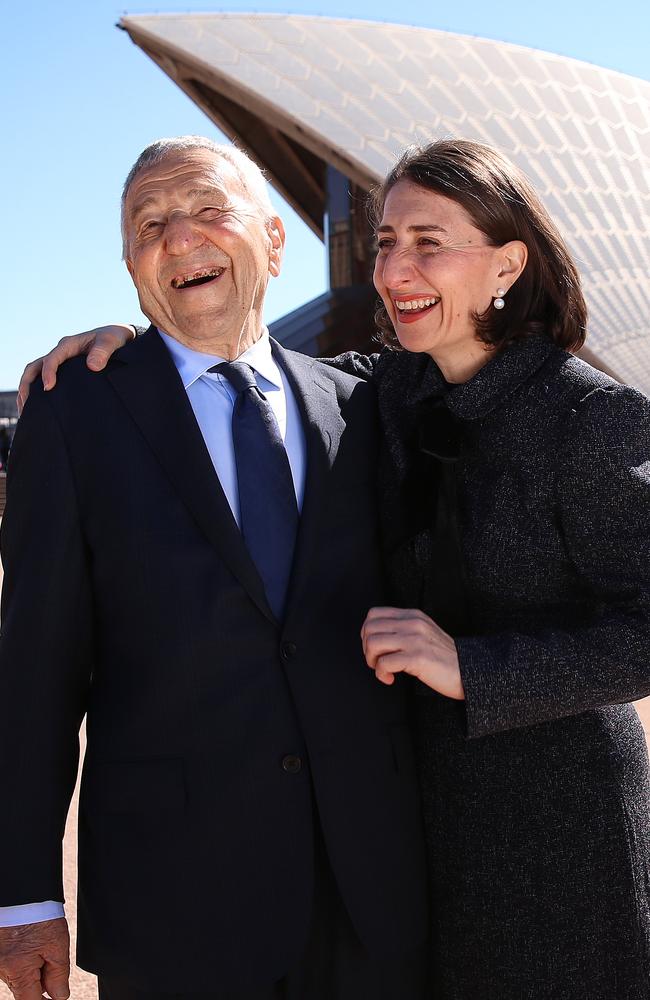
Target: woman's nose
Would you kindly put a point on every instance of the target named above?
(398, 267)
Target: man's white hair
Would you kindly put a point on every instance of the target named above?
(250, 175)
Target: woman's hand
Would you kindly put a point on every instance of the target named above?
(399, 640)
(98, 344)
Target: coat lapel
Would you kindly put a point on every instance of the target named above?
(145, 377)
(323, 426)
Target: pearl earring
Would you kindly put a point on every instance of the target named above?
(499, 302)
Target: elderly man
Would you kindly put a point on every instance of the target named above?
(190, 551)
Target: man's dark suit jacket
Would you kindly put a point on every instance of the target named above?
(129, 595)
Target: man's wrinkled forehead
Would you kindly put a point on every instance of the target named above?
(191, 174)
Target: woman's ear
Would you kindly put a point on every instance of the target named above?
(512, 261)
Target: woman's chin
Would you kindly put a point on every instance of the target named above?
(413, 340)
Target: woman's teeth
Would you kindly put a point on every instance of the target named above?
(413, 304)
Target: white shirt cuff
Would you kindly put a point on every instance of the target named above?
(30, 913)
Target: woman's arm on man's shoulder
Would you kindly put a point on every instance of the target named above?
(98, 344)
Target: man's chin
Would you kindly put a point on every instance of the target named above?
(207, 334)
(199, 324)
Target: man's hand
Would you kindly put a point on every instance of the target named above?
(400, 640)
(35, 958)
(98, 344)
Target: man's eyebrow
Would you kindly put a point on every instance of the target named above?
(428, 228)
(197, 192)
(140, 206)
(210, 192)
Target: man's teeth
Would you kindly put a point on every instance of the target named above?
(196, 277)
(409, 304)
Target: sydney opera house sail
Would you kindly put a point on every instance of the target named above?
(316, 100)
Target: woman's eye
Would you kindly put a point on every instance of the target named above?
(209, 212)
(423, 243)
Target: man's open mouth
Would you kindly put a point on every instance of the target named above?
(200, 277)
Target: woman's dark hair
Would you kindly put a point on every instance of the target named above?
(501, 202)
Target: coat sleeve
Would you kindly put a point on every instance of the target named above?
(363, 366)
(45, 656)
(523, 678)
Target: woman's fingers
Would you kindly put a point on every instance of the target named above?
(99, 344)
(47, 366)
(379, 645)
(403, 640)
(107, 340)
(390, 664)
(389, 653)
(399, 614)
(67, 347)
(407, 626)
(394, 619)
(30, 374)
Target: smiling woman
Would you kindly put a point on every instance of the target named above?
(444, 221)
(516, 485)
(436, 273)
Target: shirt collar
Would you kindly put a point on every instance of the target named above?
(192, 365)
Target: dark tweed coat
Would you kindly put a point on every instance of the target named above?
(536, 788)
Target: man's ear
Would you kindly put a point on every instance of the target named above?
(129, 266)
(512, 261)
(277, 236)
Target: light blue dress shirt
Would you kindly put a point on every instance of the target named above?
(212, 398)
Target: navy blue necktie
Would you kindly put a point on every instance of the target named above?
(267, 499)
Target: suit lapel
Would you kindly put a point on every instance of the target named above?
(145, 377)
(323, 425)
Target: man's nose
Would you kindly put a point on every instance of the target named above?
(182, 234)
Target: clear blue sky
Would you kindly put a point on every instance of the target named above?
(81, 101)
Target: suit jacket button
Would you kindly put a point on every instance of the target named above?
(287, 650)
(291, 763)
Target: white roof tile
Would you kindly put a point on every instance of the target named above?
(365, 90)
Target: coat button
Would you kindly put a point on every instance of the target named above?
(287, 650)
(291, 763)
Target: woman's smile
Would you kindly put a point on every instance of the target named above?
(414, 307)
